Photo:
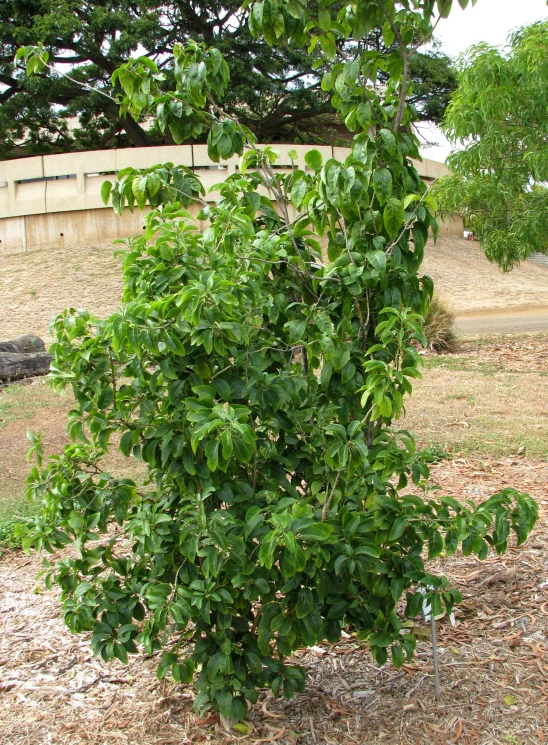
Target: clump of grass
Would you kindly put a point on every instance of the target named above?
(432, 454)
(13, 512)
(438, 327)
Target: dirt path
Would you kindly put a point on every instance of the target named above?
(504, 321)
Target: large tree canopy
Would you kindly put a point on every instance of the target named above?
(499, 117)
(274, 90)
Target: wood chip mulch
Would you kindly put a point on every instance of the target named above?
(494, 662)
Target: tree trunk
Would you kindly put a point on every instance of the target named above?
(137, 135)
(16, 365)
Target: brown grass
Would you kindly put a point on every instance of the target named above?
(33, 405)
(491, 397)
(36, 286)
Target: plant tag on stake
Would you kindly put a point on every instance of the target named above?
(427, 609)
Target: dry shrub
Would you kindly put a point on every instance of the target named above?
(438, 327)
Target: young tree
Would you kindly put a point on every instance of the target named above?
(259, 380)
(275, 91)
(499, 118)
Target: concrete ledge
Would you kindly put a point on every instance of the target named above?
(53, 200)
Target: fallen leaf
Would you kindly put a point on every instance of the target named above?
(269, 713)
(458, 731)
(510, 701)
(242, 728)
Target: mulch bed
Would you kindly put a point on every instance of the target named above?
(494, 662)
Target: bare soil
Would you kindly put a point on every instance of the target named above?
(36, 286)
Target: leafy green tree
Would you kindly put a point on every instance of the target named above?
(274, 90)
(260, 379)
(498, 116)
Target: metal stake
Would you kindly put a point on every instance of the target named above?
(435, 657)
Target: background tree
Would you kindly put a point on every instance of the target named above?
(498, 116)
(274, 90)
(260, 381)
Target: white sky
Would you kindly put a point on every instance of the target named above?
(488, 20)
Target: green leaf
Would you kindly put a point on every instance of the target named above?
(444, 7)
(305, 603)
(451, 542)
(318, 532)
(368, 549)
(166, 661)
(382, 183)
(377, 259)
(278, 26)
(326, 373)
(364, 115)
(393, 216)
(313, 159)
(389, 141)
(106, 188)
(397, 656)
(435, 543)
(415, 603)
(328, 46)
(298, 193)
(397, 586)
(387, 34)
(126, 443)
(436, 607)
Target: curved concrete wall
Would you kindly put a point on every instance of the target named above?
(52, 200)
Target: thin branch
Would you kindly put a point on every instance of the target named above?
(328, 501)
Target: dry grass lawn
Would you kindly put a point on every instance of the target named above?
(36, 286)
(490, 397)
(471, 284)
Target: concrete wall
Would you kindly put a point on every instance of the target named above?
(64, 206)
(539, 259)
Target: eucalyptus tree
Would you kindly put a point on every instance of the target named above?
(499, 119)
(260, 381)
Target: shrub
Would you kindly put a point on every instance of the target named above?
(259, 384)
(438, 326)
